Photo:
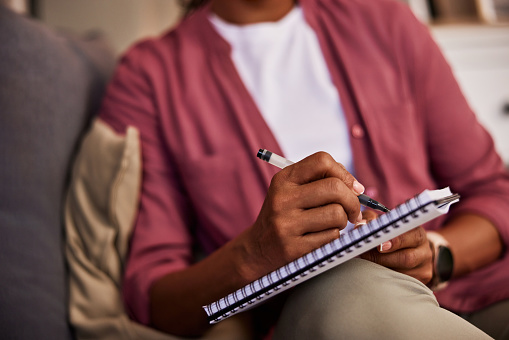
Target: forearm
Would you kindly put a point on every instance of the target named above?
(474, 242)
(176, 299)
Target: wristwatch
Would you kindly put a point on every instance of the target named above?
(443, 261)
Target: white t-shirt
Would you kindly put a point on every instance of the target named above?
(282, 66)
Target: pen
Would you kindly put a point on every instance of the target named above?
(282, 162)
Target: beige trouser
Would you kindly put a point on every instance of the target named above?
(362, 300)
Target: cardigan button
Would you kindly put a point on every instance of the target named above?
(357, 131)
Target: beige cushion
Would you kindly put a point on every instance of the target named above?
(100, 211)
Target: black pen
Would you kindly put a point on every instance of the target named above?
(282, 162)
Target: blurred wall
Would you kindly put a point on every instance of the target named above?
(123, 21)
(19, 6)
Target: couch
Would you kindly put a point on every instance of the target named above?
(69, 188)
(50, 85)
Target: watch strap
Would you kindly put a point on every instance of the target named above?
(442, 261)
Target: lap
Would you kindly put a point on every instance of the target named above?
(360, 299)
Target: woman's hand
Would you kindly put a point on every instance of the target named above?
(409, 253)
(306, 206)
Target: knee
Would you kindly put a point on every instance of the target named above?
(358, 299)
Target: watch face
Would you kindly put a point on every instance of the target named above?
(444, 263)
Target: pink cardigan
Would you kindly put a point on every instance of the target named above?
(411, 129)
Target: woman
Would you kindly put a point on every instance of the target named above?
(362, 81)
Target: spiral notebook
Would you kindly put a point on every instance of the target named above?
(413, 213)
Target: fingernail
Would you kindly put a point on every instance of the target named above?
(359, 218)
(360, 223)
(386, 246)
(358, 188)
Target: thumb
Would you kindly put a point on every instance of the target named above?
(369, 215)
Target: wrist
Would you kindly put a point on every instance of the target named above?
(443, 261)
(243, 257)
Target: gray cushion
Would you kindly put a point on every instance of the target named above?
(49, 86)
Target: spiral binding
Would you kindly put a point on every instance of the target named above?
(319, 259)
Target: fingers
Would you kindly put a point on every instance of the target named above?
(408, 253)
(319, 180)
(369, 215)
(330, 191)
(410, 239)
(309, 242)
(412, 262)
(326, 191)
(327, 200)
(318, 239)
(408, 258)
(318, 166)
(330, 216)
(296, 224)
(324, 217)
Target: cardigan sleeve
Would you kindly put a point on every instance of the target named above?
(461, 152)
(161, 241)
